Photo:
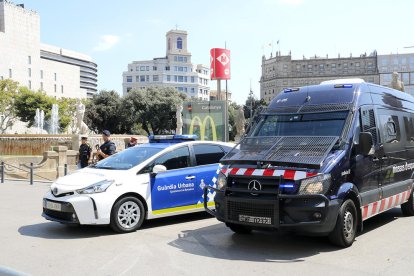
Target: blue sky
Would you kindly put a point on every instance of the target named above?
(115, 33)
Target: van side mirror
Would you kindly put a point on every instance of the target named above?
(365, 143)
(159, 169)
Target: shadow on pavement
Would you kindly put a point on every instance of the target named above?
(217, 241)
(54, 230)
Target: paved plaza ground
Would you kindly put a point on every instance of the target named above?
(188, 245)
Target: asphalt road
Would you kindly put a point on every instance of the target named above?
(188, 245)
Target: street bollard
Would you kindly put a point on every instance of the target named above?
(65, 169)
(2, 172)
(31, 173)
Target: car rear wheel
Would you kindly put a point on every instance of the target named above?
(127, 215)
(408, 207)
(346, 225)
(239, 229)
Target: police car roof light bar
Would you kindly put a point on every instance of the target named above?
(171, 138)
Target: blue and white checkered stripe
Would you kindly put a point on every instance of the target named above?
(211, 194)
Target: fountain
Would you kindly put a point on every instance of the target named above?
(39, 121)
(54, 120)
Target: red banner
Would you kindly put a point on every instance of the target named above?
(220, 64)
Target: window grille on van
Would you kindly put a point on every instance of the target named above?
(288, 150)
(307, 108)
(368, 123)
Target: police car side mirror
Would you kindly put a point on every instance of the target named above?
(159, 169)
(365, 143)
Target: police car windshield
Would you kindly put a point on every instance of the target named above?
(128, 158)
(316, 124)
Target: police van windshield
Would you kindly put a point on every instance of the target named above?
(316, 124)
(127, 159)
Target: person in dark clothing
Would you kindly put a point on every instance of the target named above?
(107, 148)
(85, 151)
(132, 142)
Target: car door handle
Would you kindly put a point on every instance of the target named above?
(190, 177)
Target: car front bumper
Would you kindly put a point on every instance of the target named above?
(77, 209)
(311, 214)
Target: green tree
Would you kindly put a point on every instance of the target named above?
(233, 107)
(8, 92)
(255, 103)
(27, 101)
(154, 108)
(67, 113)
(104, 111)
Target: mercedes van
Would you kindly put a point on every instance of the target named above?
(321, 160)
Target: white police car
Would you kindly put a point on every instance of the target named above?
(162, 178)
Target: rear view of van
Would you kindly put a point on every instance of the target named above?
(321, 160)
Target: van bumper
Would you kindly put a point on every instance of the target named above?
(307, 214)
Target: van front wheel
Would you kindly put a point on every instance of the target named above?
(408, 207)
(346, 225)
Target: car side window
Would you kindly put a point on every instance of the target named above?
(175, 159)
(207, 154)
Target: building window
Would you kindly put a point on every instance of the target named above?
(30, 84)
(192, 79)
(41, 85)
(29, 60)
(357, 64)
(155, 78)
(55, 88)
(192, 90)
(167, 68)
(142, 68)
(370, 65)
(55, 79)
(41, 74)
(154, 68)
(142, 78)
(175, 78)
(179, 43)
(168, 77)
(321, 66)
(29, 72)
(180, 79)
(129, 78)
(61, 89)
(146, 68)
(129, 89)
(147, 78)
(10, 74)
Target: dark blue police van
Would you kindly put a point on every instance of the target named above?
(321, 160)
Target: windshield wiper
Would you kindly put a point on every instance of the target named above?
(106, 167)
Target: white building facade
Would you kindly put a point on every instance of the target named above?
(56, 71)
(174, 70)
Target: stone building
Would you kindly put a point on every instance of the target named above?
(175, 69)
(281, 72)
(58, 72)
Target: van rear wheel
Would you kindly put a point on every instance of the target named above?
(408, 207)
(345, 229)
(239, 229)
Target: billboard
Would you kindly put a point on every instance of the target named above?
(220, 64)
(205, 119)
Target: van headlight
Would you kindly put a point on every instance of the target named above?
(96, 188)
(315, 185)
(221, 181)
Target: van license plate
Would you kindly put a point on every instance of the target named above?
(256, 220)
(53, 206)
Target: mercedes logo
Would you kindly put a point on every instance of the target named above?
(254, 185)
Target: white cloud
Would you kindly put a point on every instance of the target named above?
(106, 42)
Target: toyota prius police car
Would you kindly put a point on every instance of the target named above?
(162, 178)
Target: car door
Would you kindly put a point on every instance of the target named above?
(207, 157)
(173, 189)
(368, 170)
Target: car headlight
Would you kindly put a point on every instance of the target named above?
(315, 185)
(221, 181)
(96, 188)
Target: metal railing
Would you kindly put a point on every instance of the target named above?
(30, 171)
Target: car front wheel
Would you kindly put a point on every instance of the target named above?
(127, 215)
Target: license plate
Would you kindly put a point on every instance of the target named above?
(53, 206)
(257, 220)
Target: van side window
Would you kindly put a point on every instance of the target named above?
(390, 128)
(409, 128)
(368, 124)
